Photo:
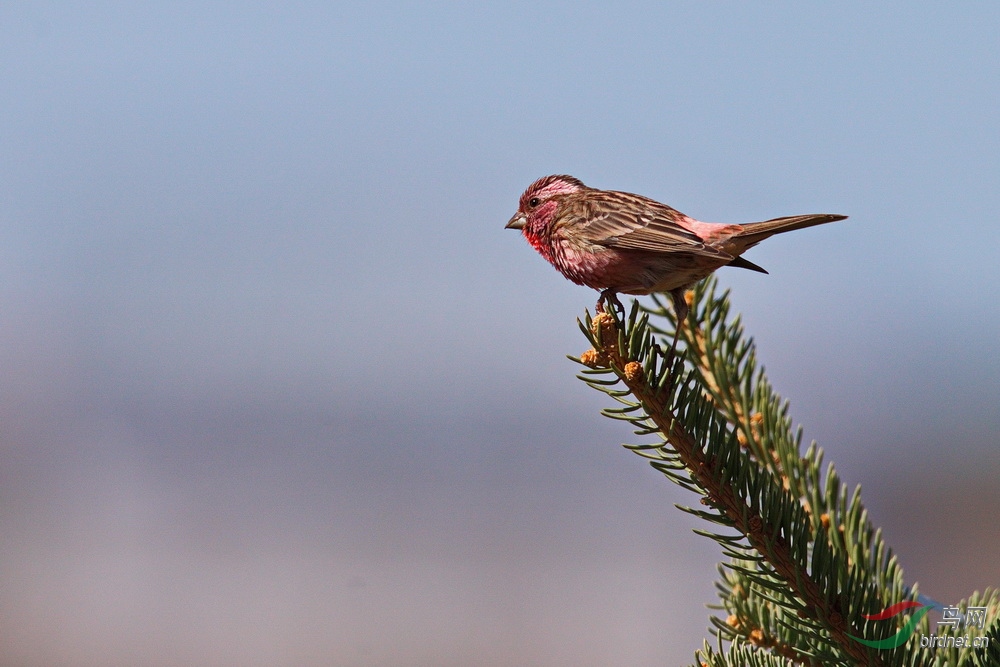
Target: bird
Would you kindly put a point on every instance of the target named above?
(623, 243)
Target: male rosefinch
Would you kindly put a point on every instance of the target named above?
(618, 242)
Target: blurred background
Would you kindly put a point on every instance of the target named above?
(277, 388)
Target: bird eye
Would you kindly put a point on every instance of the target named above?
(534, 201)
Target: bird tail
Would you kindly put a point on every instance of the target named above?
(755, 232)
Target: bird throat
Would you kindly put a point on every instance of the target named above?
(541, 242)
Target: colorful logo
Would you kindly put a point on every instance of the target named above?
(904, 633)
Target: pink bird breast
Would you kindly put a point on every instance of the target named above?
(584, 266)
(598, 267)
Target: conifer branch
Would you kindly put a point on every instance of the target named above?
(805, 563)
(710, 475)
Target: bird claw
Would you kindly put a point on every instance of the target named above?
(609, 296)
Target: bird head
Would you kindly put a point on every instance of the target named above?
(539, 203)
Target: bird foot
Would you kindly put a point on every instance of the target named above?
(609, 296)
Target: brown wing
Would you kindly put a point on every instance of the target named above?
(622, 220)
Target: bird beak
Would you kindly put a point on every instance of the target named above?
(517, 222)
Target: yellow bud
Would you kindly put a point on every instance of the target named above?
(633, 371)
(590, 358)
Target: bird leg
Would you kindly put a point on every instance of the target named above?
(610, 296)
(681, 311)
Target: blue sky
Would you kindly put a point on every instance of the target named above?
(278, 388)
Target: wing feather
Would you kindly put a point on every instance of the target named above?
(621, 220)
